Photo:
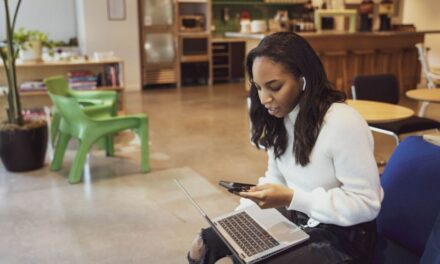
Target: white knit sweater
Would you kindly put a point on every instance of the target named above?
(341, 183)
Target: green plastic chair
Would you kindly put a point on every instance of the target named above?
(75, 123)
(98, 103)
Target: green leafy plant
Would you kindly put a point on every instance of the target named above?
(9, 53)
(24, 39)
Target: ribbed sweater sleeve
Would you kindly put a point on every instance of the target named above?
(358, 196)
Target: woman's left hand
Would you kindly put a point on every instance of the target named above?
(269, 195)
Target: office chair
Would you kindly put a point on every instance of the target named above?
(385, 88)
(411, 203)
(432, 79)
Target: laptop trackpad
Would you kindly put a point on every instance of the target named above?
(276, 224)
(283, 231)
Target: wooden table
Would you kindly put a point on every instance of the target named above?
(426, 96)
(378, 112)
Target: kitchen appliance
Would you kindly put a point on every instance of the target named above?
(192, 23)
(258, 26)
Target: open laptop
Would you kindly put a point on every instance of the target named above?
(253, 234)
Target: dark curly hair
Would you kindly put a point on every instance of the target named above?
(298, 58)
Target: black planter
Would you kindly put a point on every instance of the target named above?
(23, 150)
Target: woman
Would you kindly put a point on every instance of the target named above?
(321, 164)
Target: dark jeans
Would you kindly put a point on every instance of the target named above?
(328, 244)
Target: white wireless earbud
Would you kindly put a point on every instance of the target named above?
(304, 83)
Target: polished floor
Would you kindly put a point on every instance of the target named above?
(117, 215)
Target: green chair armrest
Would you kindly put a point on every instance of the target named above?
(102, 95)
(98, 111)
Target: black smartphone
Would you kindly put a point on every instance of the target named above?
(235, 187)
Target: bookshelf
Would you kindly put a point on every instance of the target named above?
(31, 71)
(228, 57)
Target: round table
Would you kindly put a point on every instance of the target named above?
(378, 112)
(428, 95)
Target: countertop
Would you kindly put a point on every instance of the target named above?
(331, 33)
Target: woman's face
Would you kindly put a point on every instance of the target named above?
(279, 91)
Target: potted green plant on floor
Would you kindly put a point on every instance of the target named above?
(22, 142)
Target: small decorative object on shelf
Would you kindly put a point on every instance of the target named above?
(327, 22)
(366, 9)
(386, 10)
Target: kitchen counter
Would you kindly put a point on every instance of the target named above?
(331, 33)
(345, 55)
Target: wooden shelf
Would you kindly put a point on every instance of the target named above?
(220, 54)
(65, 63)
(32, 93)
(194, 58)
(38, 70)
(222, 78)
(254, 3)
(159, 29)
(99, 88)
(158, 65)
(221, 66)
(192, 1)
(194, 34)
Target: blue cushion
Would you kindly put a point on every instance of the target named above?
(411, 182)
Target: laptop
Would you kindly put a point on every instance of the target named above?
(253, 234)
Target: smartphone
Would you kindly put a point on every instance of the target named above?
(235, 187)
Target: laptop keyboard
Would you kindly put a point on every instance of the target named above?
(248, 234)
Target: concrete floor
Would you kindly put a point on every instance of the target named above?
(199, 134)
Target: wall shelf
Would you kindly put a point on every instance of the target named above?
(110, 70)
(255, 3)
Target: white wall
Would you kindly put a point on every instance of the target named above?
(57, 18)
(97, 33)
(425, 15)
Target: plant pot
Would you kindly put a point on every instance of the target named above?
(23, 149)
(33, 51)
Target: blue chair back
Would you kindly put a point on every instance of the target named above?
(432, 250)
(411, 182)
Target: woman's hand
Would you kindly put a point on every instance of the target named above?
(269, 195)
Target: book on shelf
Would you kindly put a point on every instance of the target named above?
(110, 76)
(35, 113)
(82, 80)
(32, 86)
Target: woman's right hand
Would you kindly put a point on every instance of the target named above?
(269, 195)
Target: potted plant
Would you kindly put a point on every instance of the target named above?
(31, 44)
(22, 142)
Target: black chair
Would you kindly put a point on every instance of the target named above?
(385, 88)
(411, 204)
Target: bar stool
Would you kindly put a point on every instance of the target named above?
(335, 64)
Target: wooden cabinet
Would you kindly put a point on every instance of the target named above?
(110, 75)
(228, 60)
